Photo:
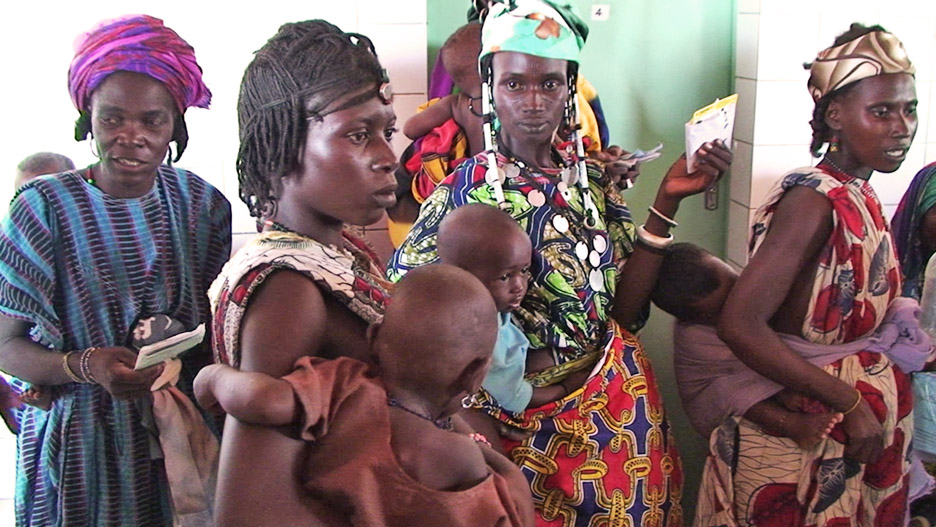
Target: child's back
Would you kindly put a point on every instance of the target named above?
(390, 469)
(382, 450)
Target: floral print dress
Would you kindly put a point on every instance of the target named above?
(754, 478)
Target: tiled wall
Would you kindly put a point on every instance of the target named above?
(774, 39)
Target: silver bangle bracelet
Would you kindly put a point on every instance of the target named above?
(652, 240)
(666, 219)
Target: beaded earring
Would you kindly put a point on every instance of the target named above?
(591, 211)
(493, 174)
(834, 144)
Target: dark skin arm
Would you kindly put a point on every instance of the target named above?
(638, 276)
(769, 293)
(112, 367)
(434, 115)
(548, 394)
(259, 478)
(928, 233)
(248, 396)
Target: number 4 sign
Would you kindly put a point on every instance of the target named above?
(600, 11)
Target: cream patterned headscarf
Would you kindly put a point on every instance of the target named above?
(875, 53)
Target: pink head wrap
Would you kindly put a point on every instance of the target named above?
(142, 44)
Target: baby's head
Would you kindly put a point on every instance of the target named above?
(488, 243)
(693, 284)
(443, 365)
(459, 56)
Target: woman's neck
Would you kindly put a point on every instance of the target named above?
(841, 164)
(312, 226)
(538, 155)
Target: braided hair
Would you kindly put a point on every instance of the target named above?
(303, 68)
(821, 131)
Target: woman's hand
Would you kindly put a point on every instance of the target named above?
(714, 158)
(112, 368)
(622, 174)
(865, 434)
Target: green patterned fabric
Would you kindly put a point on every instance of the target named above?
(545, 29)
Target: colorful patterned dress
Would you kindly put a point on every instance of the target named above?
(82, 267)
(754, 478)
(603, 455)
(351, 274)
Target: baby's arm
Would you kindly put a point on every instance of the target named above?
(433, 116)
(251, 397)
(470, 123)
(548, 394)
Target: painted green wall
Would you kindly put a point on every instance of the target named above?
(653, 63)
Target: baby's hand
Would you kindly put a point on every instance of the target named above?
(204, 388)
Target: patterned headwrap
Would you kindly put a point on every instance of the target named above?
(875, 53)
(542, 28)
(142, 44)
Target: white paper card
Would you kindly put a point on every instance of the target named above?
(169, 348)
(715, 122)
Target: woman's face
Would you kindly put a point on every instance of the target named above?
(876, 121)
(346, 165)
(530, 93)
(132, 118)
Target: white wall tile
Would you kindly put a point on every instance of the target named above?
(924, 111)
(402, 50)
(736, 240)
(837, 15)
(927, 114)
(918, 34)
(889, 211)
(770, 163)
(786, 7)
(405, 107)
(744, 114)
(395, 12)
(891, 187)
(746, 45)
(785, 42)
(782, 113)
(739, 178)
(749, 6)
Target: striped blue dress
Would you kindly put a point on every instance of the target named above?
(82, 267)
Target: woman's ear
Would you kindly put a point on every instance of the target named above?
(833, 115)
(471, 376)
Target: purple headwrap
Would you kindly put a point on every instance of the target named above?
(142, 44)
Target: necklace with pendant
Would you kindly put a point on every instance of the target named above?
(589, 245)
(444, 423)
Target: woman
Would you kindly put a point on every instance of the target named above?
(605, 450)
(316, 121)
(83, 255)
(914, 227)
(823, 267)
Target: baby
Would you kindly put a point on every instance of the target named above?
(692, 286)
(459, 56)
(382, 450)
(489, 244)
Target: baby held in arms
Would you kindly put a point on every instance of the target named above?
(384, 449)
(488, 243)
(714, 385)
